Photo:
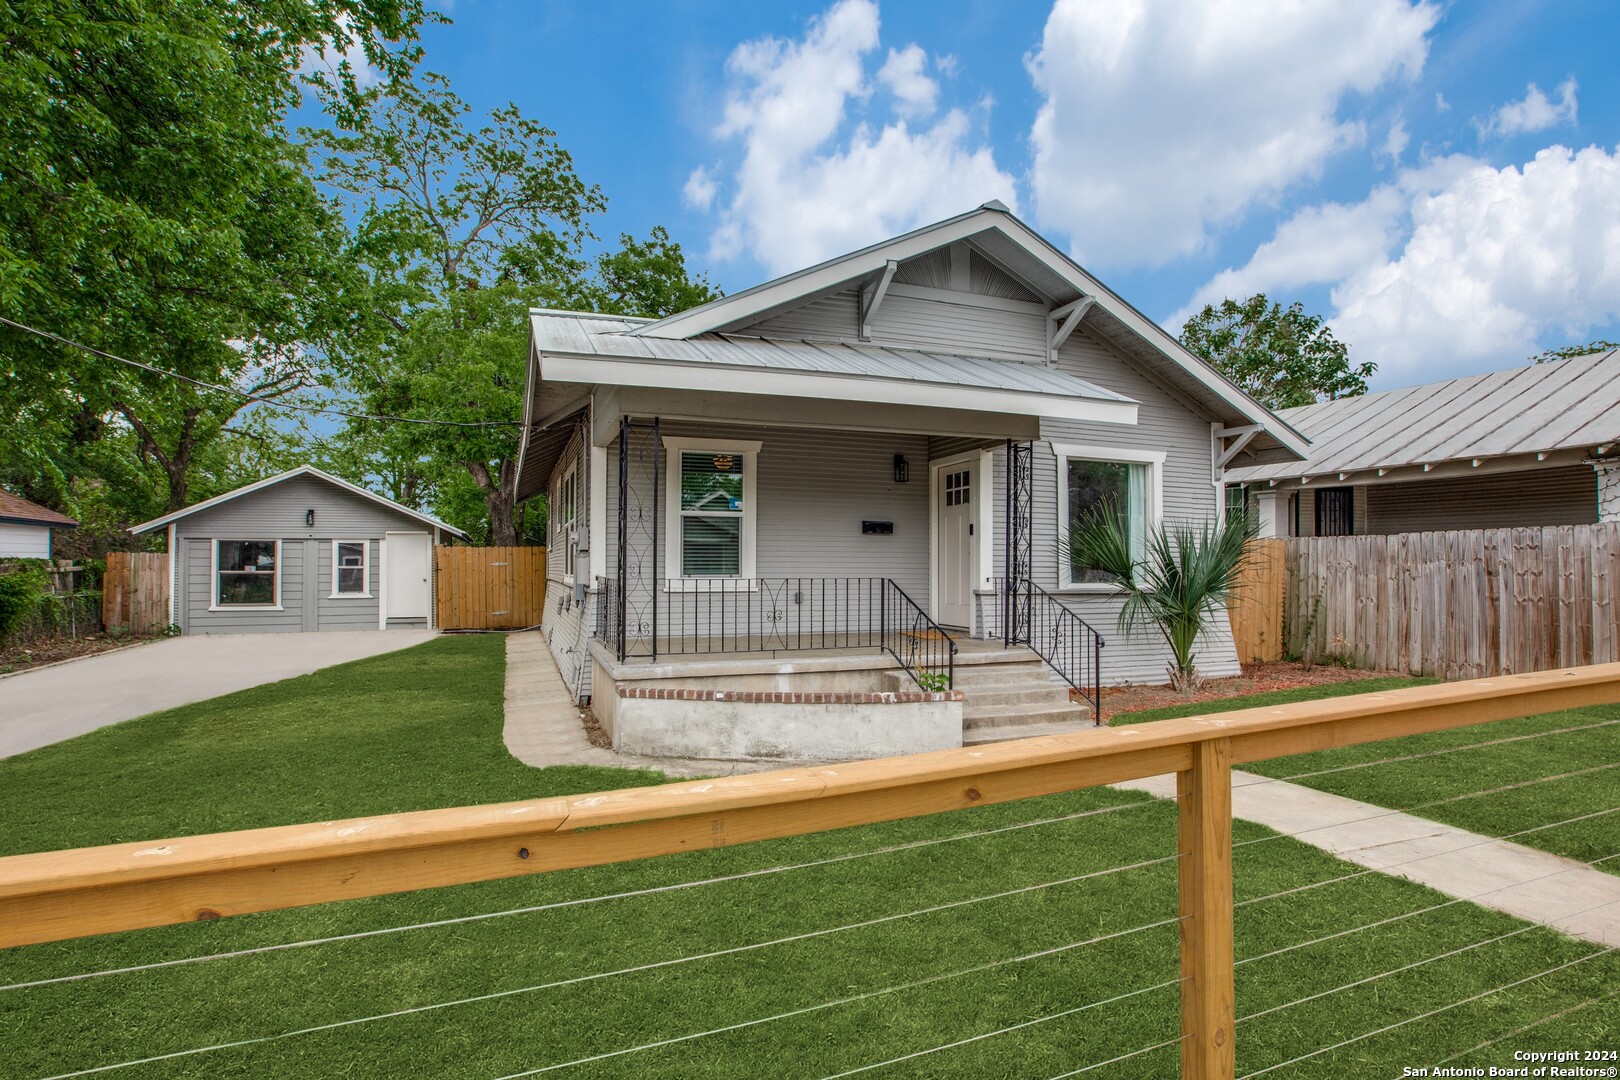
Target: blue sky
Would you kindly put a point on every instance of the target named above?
(1442, 180)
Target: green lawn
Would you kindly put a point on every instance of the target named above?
(1439, 767)
(422, 728)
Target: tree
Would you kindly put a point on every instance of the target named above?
(1183, 578)
(462, 226)
(1569, 352)
(154, 207)
(1279, 356)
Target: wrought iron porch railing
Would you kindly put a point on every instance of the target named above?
(768, 615)
(1070, 646)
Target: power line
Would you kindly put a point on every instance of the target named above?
(257, 399)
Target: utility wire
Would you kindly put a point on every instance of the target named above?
(257, 399)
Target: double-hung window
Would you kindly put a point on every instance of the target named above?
(566, 516)
(1092, 479)
(246, 573)
(712, 488)
(351, 568)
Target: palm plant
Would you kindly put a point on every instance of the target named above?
(1184, 575)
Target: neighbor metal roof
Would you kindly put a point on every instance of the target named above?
(1562, 405)
(582, 334)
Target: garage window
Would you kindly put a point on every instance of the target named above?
(246, 573)
(351, 568)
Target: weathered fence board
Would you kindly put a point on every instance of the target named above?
(1256, 610)
(135, 591)
(490, 588)
(1459, 605)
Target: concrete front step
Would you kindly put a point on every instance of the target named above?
(987, 716)
(980, 736)
(967, 680)
(1026, 694)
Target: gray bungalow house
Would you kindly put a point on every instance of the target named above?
(853, 480)
(301, 551)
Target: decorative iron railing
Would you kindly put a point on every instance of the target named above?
(1070, 646)
(696, 616)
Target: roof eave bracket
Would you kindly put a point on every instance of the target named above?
(872, 294)
(1061, 322)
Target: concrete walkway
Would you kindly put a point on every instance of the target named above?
(38, 708)
(543, 725)
(1579, 900)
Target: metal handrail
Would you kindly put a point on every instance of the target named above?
(918, 643)
(1070, 646)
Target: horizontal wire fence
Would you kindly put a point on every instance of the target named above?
(1076, 830)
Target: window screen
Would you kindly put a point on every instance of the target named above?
(711, 513)
(247, 572)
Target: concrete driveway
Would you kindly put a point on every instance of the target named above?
(38, 708)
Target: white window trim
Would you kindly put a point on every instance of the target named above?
(365, 571)
(568, 530)
(674, 446)
(213, 577)
(1154, 459)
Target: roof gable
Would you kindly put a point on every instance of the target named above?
(272, 481)
(1003, 255)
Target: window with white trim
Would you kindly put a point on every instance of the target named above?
(351, 568)
(712, 508)
(566, 516)
(1091, 479)
(246, 574)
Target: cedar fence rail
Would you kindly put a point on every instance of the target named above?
(52, 896)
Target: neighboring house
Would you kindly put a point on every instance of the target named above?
(300, 551)
(859, 419)
(1534, 445)
(25, 528)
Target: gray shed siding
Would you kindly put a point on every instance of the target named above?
(277, 513)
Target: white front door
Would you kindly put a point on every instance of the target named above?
(406, 588)
(955, 497)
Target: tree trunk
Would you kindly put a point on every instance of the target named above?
(500, 499)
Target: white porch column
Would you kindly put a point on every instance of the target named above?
(1608, 487)
(1271, 506)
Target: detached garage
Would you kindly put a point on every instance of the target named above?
(303, 551)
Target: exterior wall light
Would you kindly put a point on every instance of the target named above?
(309, 518)
(902, 469)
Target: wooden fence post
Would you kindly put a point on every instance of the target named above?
(1204, 839)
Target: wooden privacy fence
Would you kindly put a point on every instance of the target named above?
(1256, 610)
(489, 588)
(1458, 605)
(135, 591)
(52, 896)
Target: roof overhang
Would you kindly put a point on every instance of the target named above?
(720, 378)
(1394, 474)
(272, 481)
(1004, 238)
(37, 523)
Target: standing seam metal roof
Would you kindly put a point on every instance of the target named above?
(1561, 405)
(590, 335)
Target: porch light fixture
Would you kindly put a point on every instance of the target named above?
(902, 469)
(309, 518)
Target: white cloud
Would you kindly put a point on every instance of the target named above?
(1535, 112)
(1396, 142)
(817, 177)
(1164, 118)
(1441, 105)
(700, 189)
(916, 94)
(323, 58)
(1455, 267)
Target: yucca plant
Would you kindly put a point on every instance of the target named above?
(1184, 575)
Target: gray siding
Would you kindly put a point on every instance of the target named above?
(278, 513)
(967, 328)
(565, 624)
(1562, 496)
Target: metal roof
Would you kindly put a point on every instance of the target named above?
(581, 334)
(1541, 408)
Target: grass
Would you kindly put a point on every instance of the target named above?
(1441, 776)
(421, 728)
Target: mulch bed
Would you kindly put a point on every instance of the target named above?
(39, 653)
(594, 731)
(1256, 679)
